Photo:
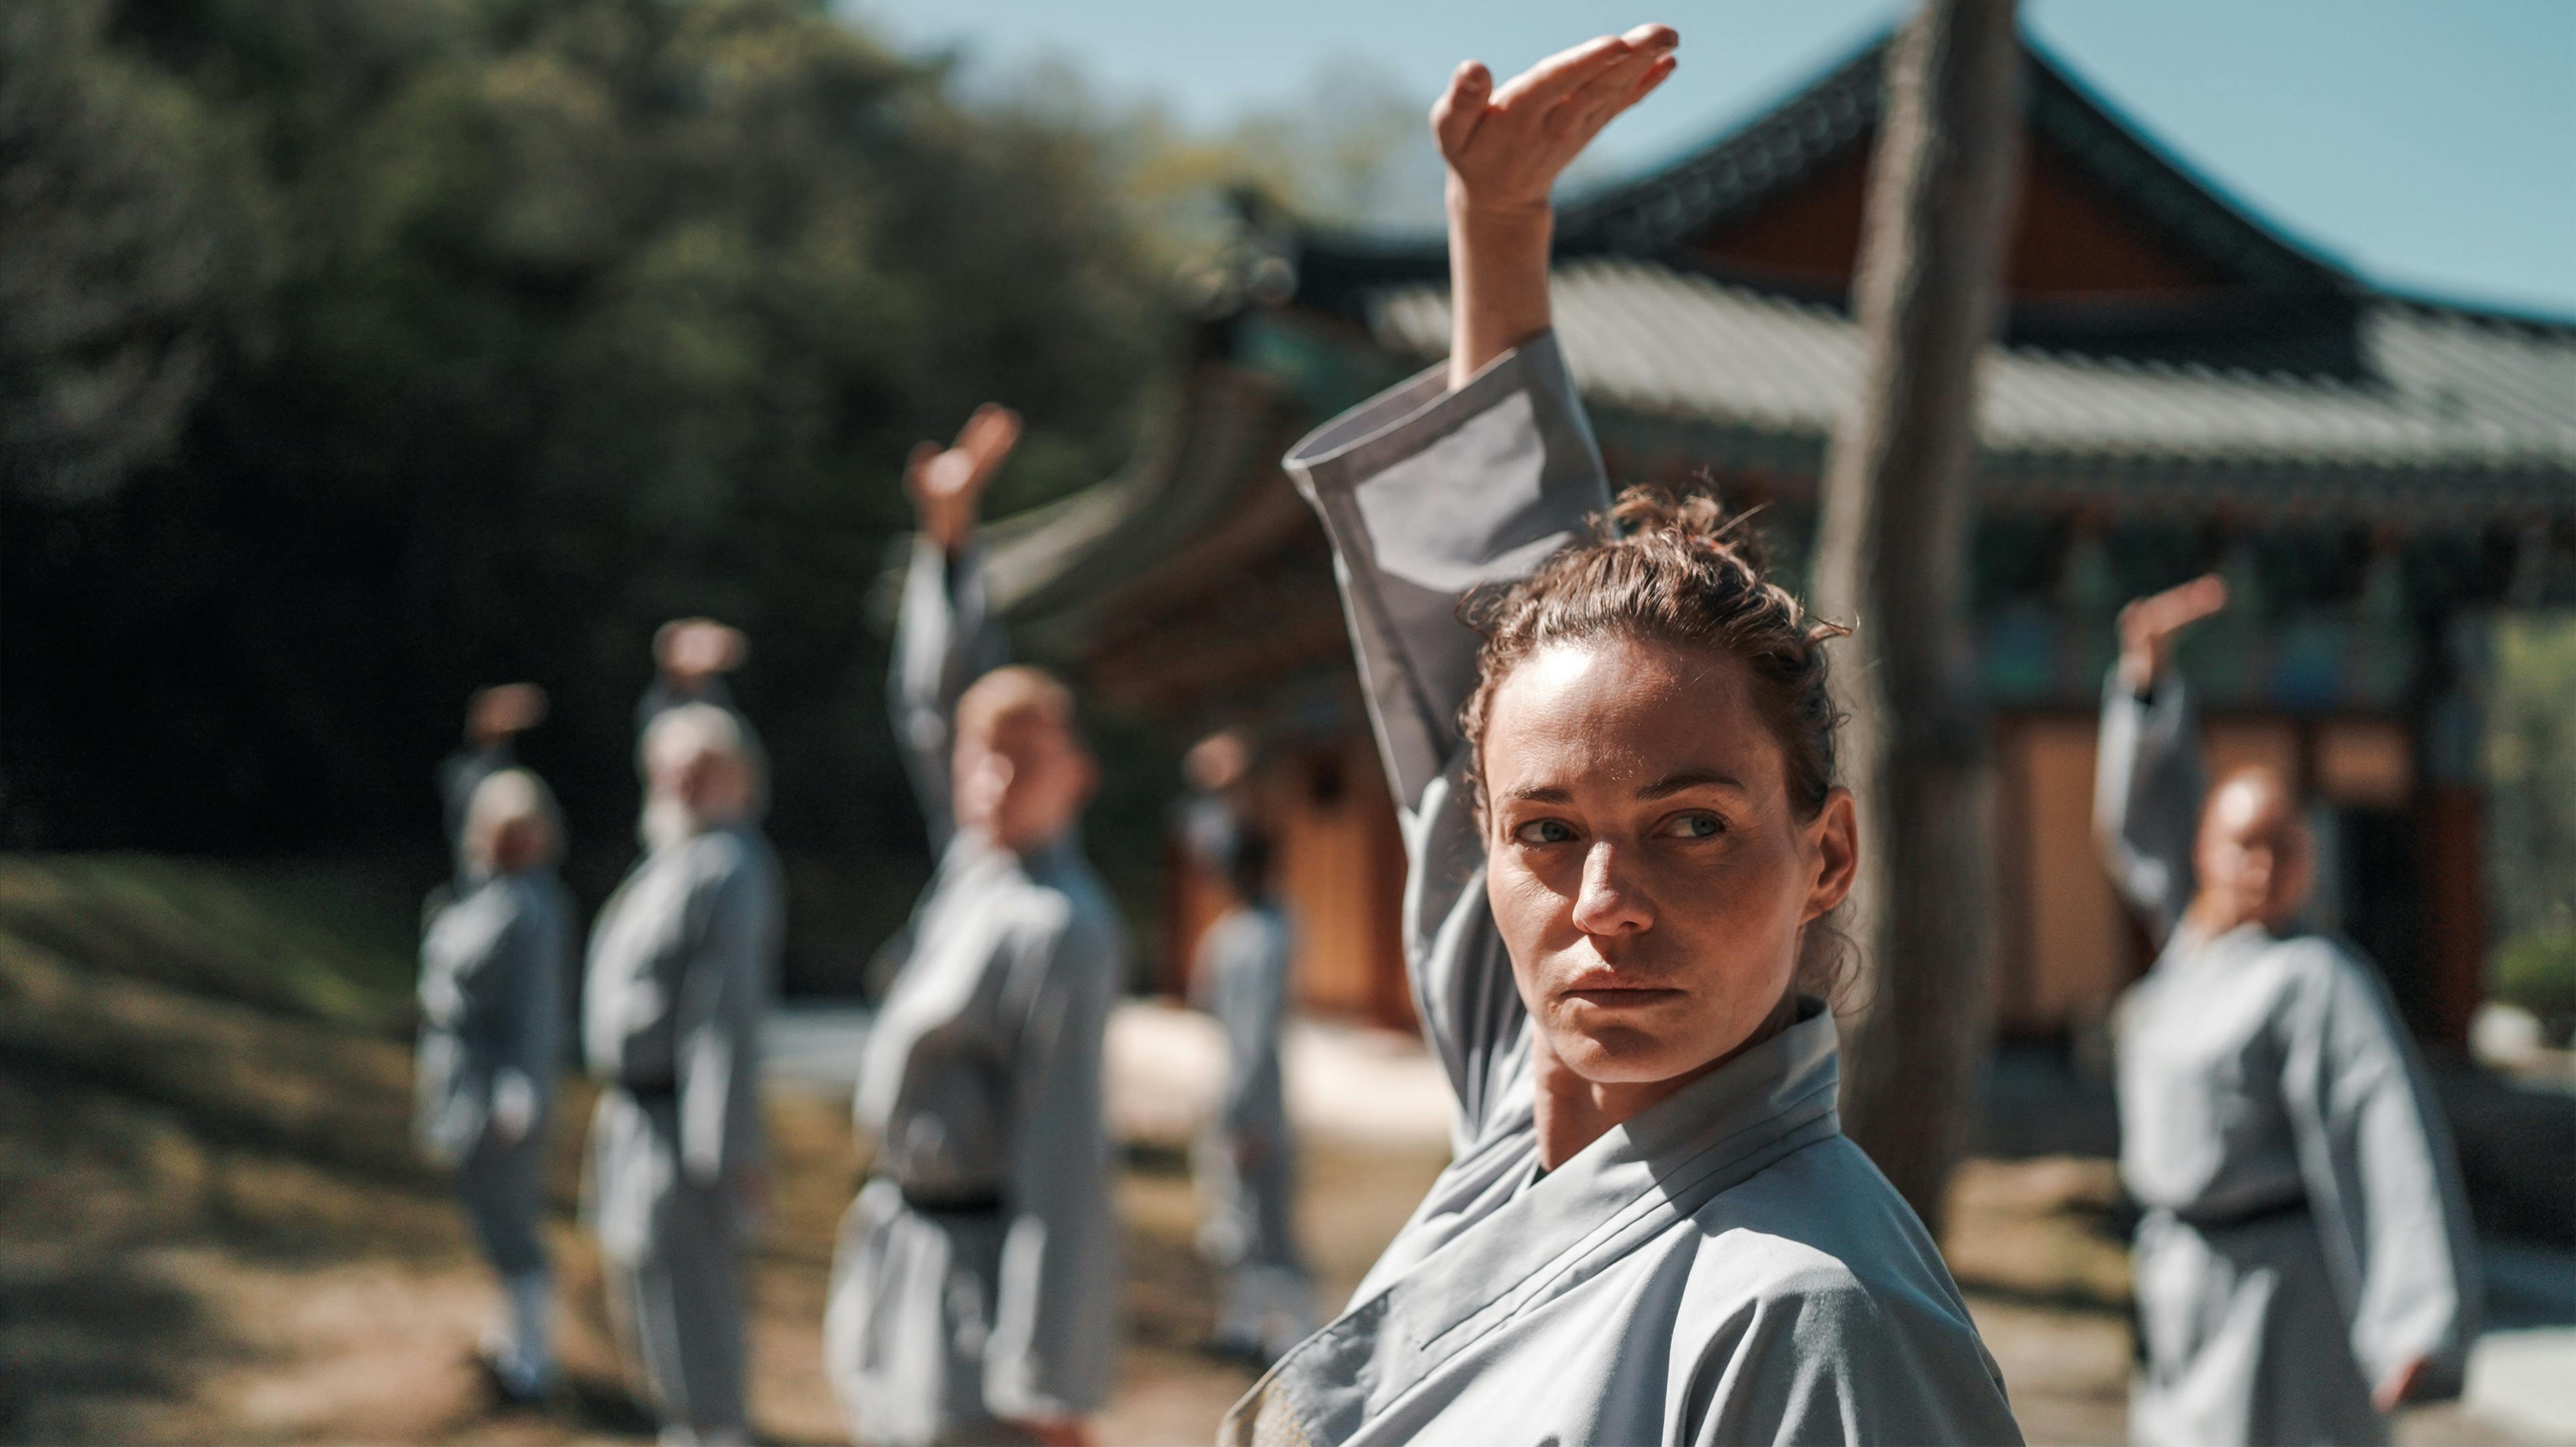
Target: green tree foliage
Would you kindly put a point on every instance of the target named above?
(393, 347)
(131, 229)
(2531, 776)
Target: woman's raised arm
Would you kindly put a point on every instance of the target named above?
(1505, 150)
(1471, 473)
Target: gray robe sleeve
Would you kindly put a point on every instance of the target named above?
(946, 637)
(2381, 1176)
(1430, 495)
(715, 1023)
(1052, 1348)
(2148, 784)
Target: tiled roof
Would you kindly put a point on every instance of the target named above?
(1052, 561)
(2444, 394)
(1836, 113)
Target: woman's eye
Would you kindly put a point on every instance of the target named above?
(1696, 826)
(1543, 831)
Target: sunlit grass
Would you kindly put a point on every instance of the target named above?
(329, 940)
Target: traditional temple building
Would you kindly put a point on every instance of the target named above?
(2179, 386)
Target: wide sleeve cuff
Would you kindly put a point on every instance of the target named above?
(1429, 495)
(1421, 413)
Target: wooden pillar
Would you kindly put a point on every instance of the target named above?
(2452, 818)
(1391, 988)
(2454, 824)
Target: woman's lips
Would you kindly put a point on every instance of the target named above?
(1610, 991)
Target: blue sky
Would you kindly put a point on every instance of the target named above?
(2431, 146)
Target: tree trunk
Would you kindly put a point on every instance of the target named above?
(1891, 561)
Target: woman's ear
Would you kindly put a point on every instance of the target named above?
(1834, 837)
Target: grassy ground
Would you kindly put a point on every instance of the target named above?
(212, 1226)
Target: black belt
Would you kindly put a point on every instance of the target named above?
(985, 1204)
(2252, 1215)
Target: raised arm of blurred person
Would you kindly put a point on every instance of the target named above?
(2149, 781)
(946, 636)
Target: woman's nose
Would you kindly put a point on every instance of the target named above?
(1609, 902)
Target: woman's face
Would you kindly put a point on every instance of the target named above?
(1647, 870)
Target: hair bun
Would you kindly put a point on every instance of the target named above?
(1696, 520)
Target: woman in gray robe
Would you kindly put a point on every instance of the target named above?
(2305, 1262)
(1654, 1230)
(1246, 1158)
(974, 1289)
(492, 963)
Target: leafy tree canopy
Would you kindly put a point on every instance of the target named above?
(355, 353)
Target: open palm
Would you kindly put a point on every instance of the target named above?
(2148, 626)
(1505, 148)
(947, 483)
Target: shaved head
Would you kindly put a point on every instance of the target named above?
(1013, 695)
(701, 771)
(683, 735)
(511, 823)
(2254, 856)
(1019, 772)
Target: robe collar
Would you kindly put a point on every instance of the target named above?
(2190, 950)
(1614, 1195)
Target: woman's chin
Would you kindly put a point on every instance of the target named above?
(1612, 1052)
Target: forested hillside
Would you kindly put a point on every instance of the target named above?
(354, 353)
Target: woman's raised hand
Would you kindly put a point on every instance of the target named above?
(946, 484)
(1505, 148)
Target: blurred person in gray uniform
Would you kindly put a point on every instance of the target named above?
(2305, 1263)
(682, 963)
(494, 718)
(974, 1290)
(492, 963)
(1246, 1158)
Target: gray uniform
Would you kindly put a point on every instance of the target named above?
(682, 963)
(491, 994)
(977, 1272)
(1724, 1267)
(2305, 1233)
(1247, 1157)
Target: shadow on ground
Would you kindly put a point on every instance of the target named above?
(212, 1227)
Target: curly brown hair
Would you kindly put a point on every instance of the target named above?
(1679, 570)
